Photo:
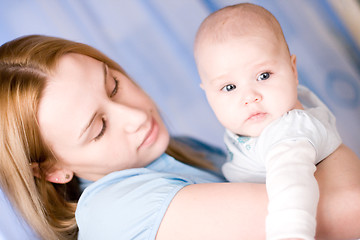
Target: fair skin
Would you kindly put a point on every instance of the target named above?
(237, 210)
(249, 81)
(249, 78)
(86, 109)
(202, 211)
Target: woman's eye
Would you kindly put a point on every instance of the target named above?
(228, 88)
(101, 133)
(263, 76)
(116, 87)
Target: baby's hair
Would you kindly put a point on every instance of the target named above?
(238, 20)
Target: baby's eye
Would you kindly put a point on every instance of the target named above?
(263, 76)
(228, 88)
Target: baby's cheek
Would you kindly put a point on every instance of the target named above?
(229, 120)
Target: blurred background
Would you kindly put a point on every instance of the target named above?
(153, 41)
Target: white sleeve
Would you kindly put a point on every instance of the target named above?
(292, 189)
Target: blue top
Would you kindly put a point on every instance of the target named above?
(130, 204)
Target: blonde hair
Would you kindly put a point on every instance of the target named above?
(25, 64)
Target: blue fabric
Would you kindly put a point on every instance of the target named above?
(12, 226)
(155, 185)
(130, 204)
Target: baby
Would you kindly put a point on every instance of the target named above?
(251, 83)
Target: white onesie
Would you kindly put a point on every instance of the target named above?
(284, 156)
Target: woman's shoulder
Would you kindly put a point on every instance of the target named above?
(134, 201)
(128, 203)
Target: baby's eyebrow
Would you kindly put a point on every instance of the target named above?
(264, 63)
(84, 129)
(217, 79)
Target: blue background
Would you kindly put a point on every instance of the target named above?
(153, 41)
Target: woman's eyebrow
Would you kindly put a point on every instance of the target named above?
(88, 125)
(105, 72)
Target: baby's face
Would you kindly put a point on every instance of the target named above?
(249, 81)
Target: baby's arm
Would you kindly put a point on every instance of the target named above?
(292, 189)
(237, 210)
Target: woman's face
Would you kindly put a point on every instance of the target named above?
(97, 121)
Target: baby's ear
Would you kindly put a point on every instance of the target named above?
(293, 65)
(54, 174)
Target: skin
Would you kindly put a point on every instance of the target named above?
(224, 210)
(237, 210)
(79, 92)
(248, 80)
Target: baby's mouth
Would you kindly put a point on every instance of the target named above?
(259, 116)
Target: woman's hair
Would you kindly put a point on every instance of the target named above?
(25, 65)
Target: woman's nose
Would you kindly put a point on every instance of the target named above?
(130, 117)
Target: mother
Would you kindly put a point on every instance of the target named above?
(71, 119)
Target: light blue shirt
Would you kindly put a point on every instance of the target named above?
(130, 204)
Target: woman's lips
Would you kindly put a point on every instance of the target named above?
(151, 135)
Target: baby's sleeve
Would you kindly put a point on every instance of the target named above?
(292, 190)
(126, 205)
(315, 125)
(292, 146)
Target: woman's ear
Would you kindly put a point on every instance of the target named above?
(54, 174)
(60, 176)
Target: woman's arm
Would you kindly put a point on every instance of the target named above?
(339, 209)
(238, 210)
(216, 211)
